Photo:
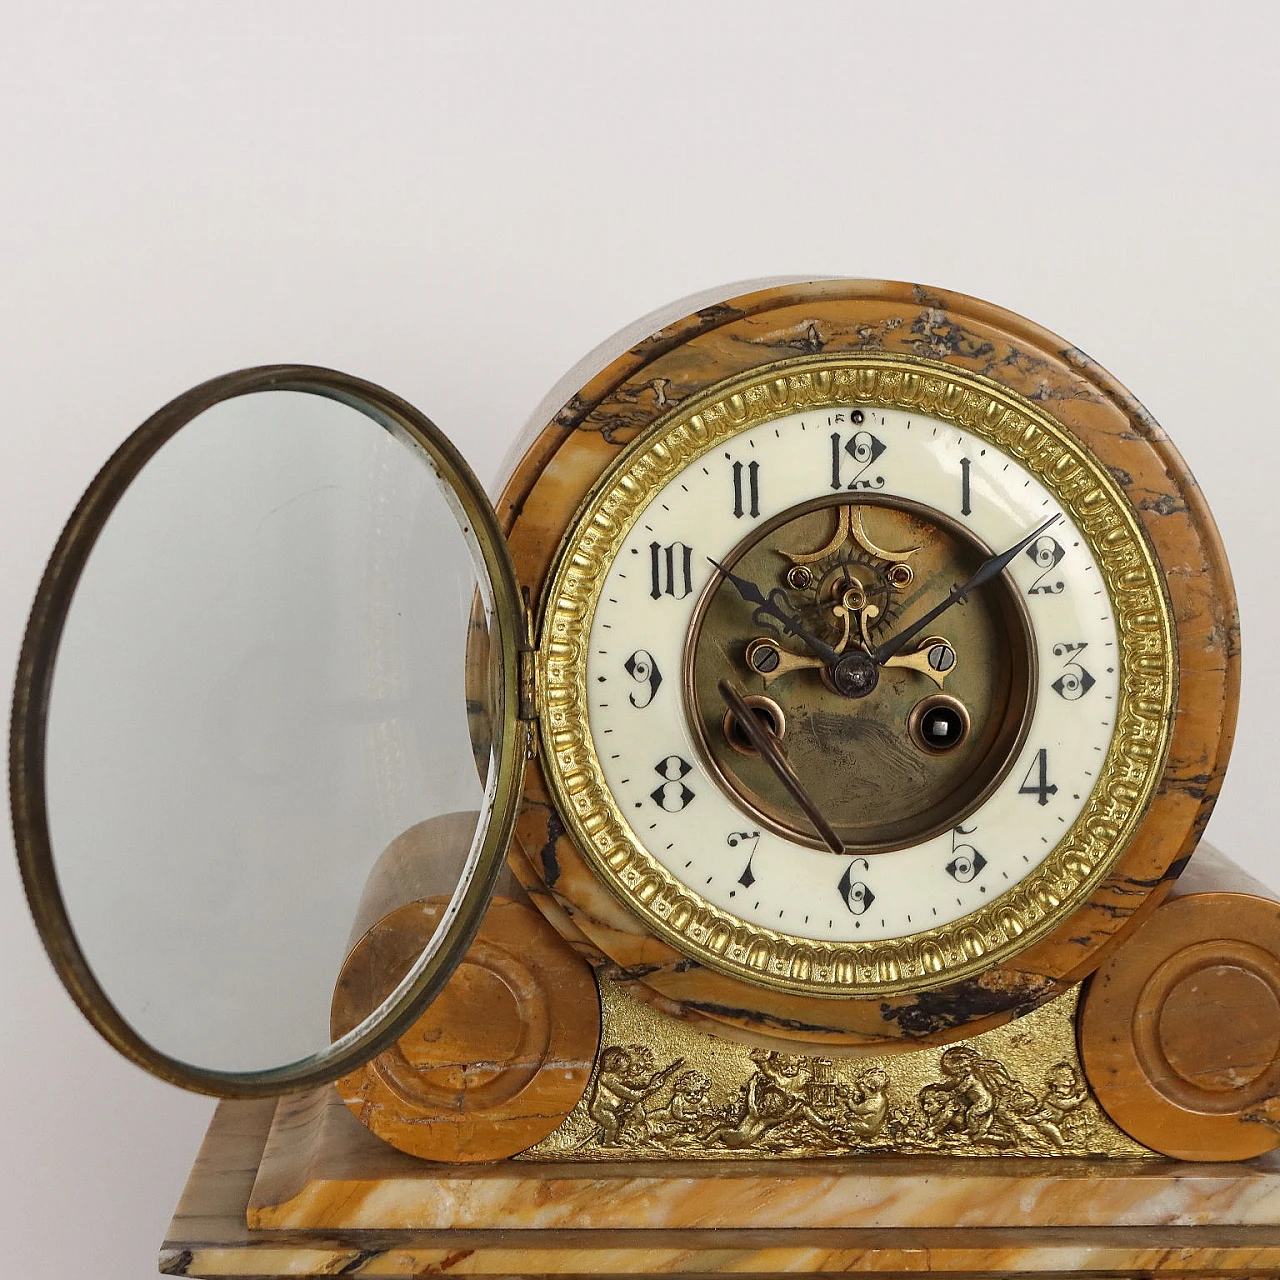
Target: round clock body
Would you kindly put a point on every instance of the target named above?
(974, 598)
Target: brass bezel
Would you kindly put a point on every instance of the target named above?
(34, 684)
(1127, 780)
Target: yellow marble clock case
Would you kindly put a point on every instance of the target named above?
(801, 325)
(302, 1188)
(949, 357)
(794, 343)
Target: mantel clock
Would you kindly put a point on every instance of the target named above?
(843, 676)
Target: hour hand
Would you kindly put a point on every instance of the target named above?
(768, 604)
(776, 758)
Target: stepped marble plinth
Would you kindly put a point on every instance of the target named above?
(309, 1192)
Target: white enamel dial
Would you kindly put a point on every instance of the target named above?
(640, 721)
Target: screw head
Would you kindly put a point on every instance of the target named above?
(942, 657)
(764, 658)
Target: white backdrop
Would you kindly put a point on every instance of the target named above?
(458, 201)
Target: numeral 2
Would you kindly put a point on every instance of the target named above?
(1046, 554)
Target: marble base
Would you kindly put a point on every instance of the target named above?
(315, 1194)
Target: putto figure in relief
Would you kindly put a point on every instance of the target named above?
(625, 1081)
(687, 1116)
(977, 1100)
(772, 1097)
(796, 1105)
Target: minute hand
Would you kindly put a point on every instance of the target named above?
(989, 569)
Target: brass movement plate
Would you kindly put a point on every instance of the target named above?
(1126, 781)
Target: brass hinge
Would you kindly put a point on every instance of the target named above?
(527, 659)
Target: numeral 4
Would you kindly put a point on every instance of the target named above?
(1041, 788)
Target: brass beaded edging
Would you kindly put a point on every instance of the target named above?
(1131, 771)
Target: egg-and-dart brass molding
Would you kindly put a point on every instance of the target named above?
(29, 722)
(1131, 770)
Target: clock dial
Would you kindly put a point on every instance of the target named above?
(950, 772)
(922, 600)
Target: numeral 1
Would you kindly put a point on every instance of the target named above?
(965, 508)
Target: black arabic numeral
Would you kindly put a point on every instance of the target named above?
(1075, 680)
(642, 668)
(863, 449)
(747, 504)
(672, 568)
(673, 795)
(736, 838)
(1042, 788)
(1046, 554)
(966, 862)
(857, 894)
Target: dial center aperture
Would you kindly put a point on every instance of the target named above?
(882, 777)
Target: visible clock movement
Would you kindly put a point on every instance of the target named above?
(871, 657)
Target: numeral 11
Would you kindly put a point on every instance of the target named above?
(752, 506)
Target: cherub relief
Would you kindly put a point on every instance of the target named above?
(771, 1098)
(977, 1100)
(1058, 1113)
(867, 1107)
(804, 1105)
(687, 1116)
(625, 1080)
